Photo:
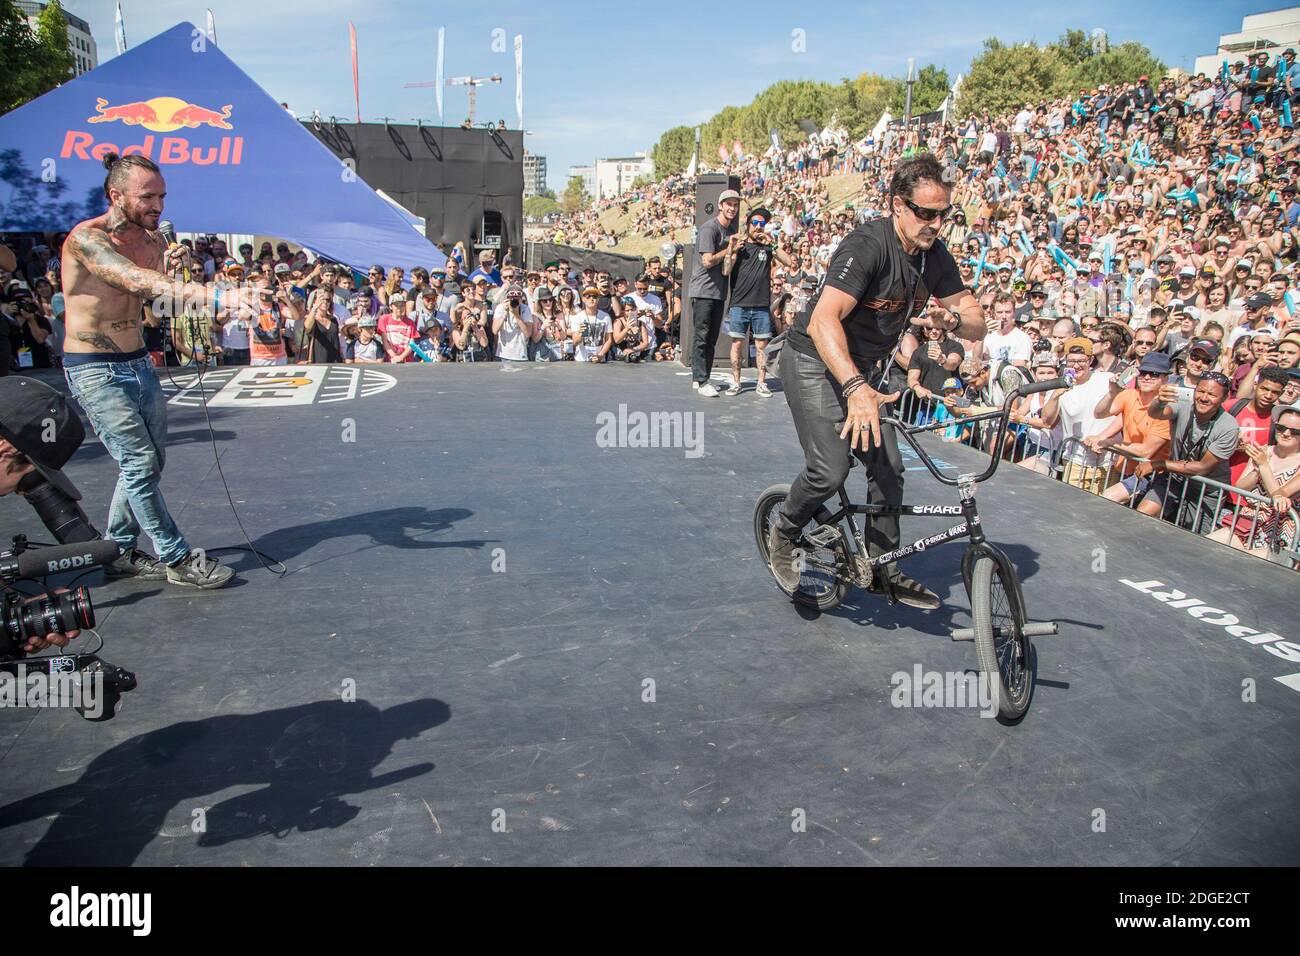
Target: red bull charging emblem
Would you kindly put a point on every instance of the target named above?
(161, 114)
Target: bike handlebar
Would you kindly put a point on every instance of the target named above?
(1002, 417)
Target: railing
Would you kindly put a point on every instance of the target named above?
(1200, 505)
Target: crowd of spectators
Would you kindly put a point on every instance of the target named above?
(314, 311)
(1140, 235)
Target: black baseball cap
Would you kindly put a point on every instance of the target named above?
(1208, 346)
(26, 406)
(1259, 300)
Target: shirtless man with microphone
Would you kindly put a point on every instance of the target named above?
(113, 269)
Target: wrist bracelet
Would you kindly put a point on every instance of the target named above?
(855, 382)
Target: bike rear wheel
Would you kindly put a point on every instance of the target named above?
(1005, 653)
(823, 583)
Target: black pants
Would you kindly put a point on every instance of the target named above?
(706, 322)
(817, 404)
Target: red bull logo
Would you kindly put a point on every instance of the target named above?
(161, 114)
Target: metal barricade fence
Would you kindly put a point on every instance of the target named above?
(1195, 504)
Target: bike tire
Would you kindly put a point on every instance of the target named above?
(815, 590)
(1006, 660)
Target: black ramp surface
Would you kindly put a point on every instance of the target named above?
(458, 667)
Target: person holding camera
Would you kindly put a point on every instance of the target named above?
(33, 332)
(631, 333)
(590, 329)
(512, 324)
(748, 265)
(469, 336)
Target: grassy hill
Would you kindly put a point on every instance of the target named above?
(843, 189)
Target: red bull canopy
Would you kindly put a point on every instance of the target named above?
(234, 160)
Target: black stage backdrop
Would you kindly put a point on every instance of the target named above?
(537, 254)
(447, 175)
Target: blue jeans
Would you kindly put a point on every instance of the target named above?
(126, 407)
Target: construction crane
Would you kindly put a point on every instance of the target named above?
(473, 82)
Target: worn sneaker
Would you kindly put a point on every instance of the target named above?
(196, 571)
(135, 564)
(909, 592)
(708, 391)
(734, 389)
(762, 391)
(780, 552)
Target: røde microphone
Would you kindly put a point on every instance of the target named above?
(38, 562)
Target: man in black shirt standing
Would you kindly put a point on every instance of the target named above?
(708, 289)
(881, 275)
(749, 266)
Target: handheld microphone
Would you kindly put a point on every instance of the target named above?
(167, 231)
(39, 562)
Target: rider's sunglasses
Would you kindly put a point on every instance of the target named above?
(926, 214)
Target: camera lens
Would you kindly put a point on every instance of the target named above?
(55, 612)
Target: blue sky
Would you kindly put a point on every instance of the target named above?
(606, 79)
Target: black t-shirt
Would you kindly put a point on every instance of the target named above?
(870, 265)
(933, 374)
(39, 353)
(325, 343)
(751, 277)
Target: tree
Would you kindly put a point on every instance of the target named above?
(928, 93)
(1074, 47)
(539, 205)
(1120, 64)
(35, 62)
(1004, 78)
(672, 153)
(574, 197)
(548, 192)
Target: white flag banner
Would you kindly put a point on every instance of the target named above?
(212, 28)
(119, 34)
(519, 78)
(442, 35)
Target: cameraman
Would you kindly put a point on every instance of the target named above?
(512, 324)
(26, 406)
(631, 332)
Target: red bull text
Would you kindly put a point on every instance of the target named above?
(161, 115)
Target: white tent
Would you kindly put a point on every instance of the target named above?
(879, 128)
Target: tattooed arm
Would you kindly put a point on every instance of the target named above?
(92, 248)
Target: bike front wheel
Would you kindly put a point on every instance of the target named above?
(1005, 653)
(824, 577)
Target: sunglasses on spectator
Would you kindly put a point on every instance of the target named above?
(1287, 430)
(925, 214)
(1218, 378)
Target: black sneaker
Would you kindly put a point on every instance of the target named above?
(196, 571)
(135, 564)
(780, 552)
(909, 592)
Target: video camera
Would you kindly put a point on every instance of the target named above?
(37, 422)
(23, 617)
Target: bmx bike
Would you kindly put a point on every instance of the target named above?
(832, 557)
